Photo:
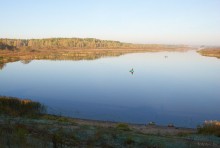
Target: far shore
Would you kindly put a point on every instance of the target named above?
(7, 56)
(12, 50)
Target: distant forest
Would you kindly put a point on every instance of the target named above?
(69, 43)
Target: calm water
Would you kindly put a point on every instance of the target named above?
(183, 89)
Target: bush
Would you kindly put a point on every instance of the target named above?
(209, 129)
(129, 141)
(17, 107)
(123, 126)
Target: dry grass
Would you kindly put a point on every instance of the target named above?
(27, 55)
(210, 128)
(211, 52)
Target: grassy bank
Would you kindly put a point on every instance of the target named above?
(43, 130)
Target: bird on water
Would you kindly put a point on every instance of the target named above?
(131, 71)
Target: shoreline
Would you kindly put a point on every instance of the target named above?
(140, 128)
(7, 56)
(143, 128)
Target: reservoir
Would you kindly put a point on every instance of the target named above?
(182, 88)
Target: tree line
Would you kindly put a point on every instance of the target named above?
(68, 43)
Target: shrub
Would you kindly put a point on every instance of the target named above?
(129, 141)
(210, 129)
(17, 107)
(123, 126)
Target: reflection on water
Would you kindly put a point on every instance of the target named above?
(167, 87)
(73, 55)
(2, 66)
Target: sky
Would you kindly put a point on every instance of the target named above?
(192, 22)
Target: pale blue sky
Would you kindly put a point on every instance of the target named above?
(136, 21)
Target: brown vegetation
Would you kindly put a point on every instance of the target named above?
(17, 107)
(210, 52)
(210, 127)
(12, 50)
(72, 43)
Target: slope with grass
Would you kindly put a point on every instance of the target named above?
(43, 130)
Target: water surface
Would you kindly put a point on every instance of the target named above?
(182, 89)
